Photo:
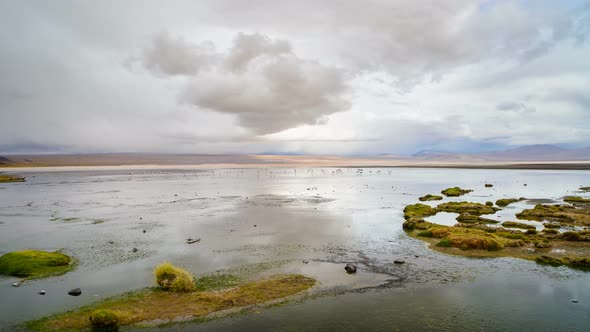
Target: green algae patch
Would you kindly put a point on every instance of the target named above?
(514, 224)
(164, 307)
(430, 197)
(418, 211)
(33, 264)
(455, 192)
(476, 209)
(5, 178)
(562, 213)
(506, 201)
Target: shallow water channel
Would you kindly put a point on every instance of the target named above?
(264, 221)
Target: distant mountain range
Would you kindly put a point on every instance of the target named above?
(524, 154)
(538, 152)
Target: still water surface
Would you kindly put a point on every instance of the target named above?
(280, 217)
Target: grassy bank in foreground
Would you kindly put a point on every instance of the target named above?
(164, 306)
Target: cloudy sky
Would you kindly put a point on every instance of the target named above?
(342, 77)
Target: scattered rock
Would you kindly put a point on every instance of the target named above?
(488, 185)
(144, 230)
(191, 240)
(305, 261)
(398, 261)
(111, 242)
(350, 268)
(134, 250)
(575, 301)
(75, 292)
(255, 226)
(41, 292)
(16, 284)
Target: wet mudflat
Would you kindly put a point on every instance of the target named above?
(120, 224)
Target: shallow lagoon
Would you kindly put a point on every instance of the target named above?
(281, 217)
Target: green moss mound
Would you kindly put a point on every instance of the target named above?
(506, 201)
(582, 263)
(562, 213)
(173, 278)
(455, 192)
(32, 264)
(418, 211)
(475, 209)
(430, 197)
(467, 218)
(576, 200)
(104, 319)
(514, 224)
(5, 178)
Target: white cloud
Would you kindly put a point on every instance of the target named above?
(260, 80)
(377, 76)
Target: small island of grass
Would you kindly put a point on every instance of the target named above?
(455, 192)
(514, 224)
(178, 296)
(576, 200)
(430, 197)
(418, 211)
(5, 178)
(476, 209)
(34, 264)
(503, 202)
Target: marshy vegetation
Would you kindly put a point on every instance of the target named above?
(471, 236)
(562, 213)
(33, 264)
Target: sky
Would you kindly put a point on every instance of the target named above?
(332, 77)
